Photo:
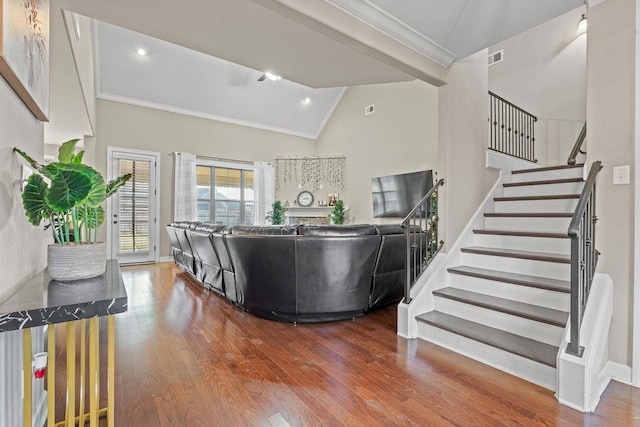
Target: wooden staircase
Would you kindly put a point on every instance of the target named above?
(507, 305)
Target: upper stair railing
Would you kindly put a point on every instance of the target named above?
(584, 255)
(577, 147)
(421, 237)
(511, 129)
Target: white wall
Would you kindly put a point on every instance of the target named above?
(23, 252)
(80, 32)
(463, 112)
(400, 136)
(555, 140)
(124, 125)
(611, 129)
(69, 117)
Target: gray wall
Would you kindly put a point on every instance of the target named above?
(23, 251)
(400, 136)
(611, 118)
(123, 125)
(463, 111)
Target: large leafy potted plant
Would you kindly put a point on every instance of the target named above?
(68, 195)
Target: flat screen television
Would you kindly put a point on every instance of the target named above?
(396, 195)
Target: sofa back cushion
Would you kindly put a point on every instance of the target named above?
(333, 274)
(265, 273)
(337, 230)
(386, 229)
(265, 230)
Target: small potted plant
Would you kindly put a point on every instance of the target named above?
(339, 213)
(69, 195)
(276, 215)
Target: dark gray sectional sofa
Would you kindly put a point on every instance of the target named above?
(295, 273)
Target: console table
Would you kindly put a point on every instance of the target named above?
(43, 301)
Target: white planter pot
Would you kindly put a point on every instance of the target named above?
(74, 262)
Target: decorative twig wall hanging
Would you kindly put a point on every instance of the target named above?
(311, 172)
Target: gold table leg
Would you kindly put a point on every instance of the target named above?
(95, 412)
(111, 371)
(94, 371)
(51, 375)
(26, 370)
(71, 375)
(83, 355)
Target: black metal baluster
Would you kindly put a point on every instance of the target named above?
(583, 255)
(512, 129)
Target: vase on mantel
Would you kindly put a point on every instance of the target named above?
(76, 261)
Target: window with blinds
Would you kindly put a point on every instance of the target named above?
(225, 195)
(133, 212)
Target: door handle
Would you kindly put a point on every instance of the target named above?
(115, 222)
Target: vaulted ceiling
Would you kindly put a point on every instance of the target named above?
(330, 43)
(206, 55)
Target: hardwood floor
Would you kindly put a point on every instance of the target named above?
(186, 357)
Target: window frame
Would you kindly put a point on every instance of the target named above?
(242, 167)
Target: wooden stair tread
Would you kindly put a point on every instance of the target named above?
(525, 347)
(514, 278)
(544, 182)
(548, 168)
(514, 308)
(513, 253)
(523, 233)
(543, 197)
(528, 215)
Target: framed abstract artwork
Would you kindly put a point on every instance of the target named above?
(24, 52)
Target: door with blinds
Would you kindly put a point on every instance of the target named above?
(132, 213)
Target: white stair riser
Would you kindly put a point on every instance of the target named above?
(516, 325)
(546, 175)
(549, 205)
(544, 376)
(526, 294)
(537, 244)
(543, 224)
(541, 190)
(529, 267)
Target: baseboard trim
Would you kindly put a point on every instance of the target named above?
(618, 371)
(570, 405)
(165, 259)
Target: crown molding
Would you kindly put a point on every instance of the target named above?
(591, 3)
(199, 114)
(382, 21)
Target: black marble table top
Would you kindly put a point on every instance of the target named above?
(43, 301)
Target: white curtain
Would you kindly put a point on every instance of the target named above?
(184, 201)
(263, 190)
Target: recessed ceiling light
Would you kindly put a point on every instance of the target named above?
(272, 77)
(306, 100)
(140, 51)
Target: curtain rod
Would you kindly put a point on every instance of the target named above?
(310, 158)
(217, 159)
